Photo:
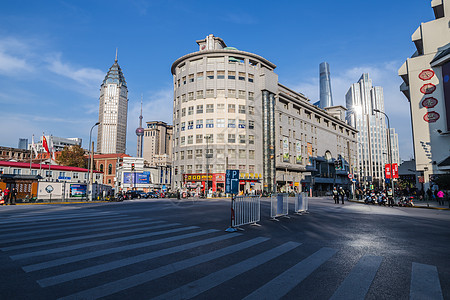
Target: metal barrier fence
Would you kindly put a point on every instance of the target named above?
(301, 203)
(245, 210)
(279, 206)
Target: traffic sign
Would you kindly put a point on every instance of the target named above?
(232, 182)
(350, 175)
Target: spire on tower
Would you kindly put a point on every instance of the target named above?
(116, 56)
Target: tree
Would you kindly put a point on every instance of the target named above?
(443, 181)
(72, 156)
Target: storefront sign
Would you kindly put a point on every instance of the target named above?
(431, 117)
(426, 74)
(429, 102)
(197, 177)
(298, 154)
(285, 149)
(427, 88)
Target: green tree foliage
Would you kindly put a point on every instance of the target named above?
(443, 181)
(72, 156)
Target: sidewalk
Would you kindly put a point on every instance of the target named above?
(420, 204)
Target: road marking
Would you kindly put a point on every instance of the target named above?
(286, 281)
(425, 282)
(90, 236)
(97, 243)
(84, 256)
(357, 283)
(138, 279)
(50, 217)
(201, 285)
(54, 280)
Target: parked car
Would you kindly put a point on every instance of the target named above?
(141, 194)
(152, 195)
(132, 194)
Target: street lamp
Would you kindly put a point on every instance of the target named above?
(90, 162)
(207, 137)
(389, 148)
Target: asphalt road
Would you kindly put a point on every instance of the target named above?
(172, 249)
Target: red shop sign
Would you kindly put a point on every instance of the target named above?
(431, 117)
(429, 102)
(428, 88)
(426, 74)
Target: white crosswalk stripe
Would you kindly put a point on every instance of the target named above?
(74, 249)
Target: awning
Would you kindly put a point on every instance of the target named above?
(20, 177)
(442, 56)
(445, 164)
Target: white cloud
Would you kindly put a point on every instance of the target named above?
(13, 57)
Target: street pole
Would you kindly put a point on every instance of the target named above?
(91, 161)
(389, 149)
(207, 165)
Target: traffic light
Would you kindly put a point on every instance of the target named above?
(132, 167)
(336, 164)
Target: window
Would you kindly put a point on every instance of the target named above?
(209, 108)
(242, 109)
(210, 138)
(209, 123)
(189, 154)
(190, 139)
(220, 122)
(231, 75)
(183, 112)
(178, 82)
(232, 154)
(190, 110)
(242, 168)
(190, 125)
(242, 139)
(184, 79)
(49, 173)
(199, 139)
(231, 108)
(210, 93)
(250, 77)
(189, 168)
(241, 94)
(241, 76)
(231, 123)
(62, 174)
(199, 124)
(220, 93)
(74, 175)
(191, 78)
(198, 168)
(210, 75)
(182, 140)
(231, 138)
(242, 153)
(251, 168)
(241, 123)
(251, 154)
(199, 109)
(183, 126)
(251, 110)
(181, 155)
(251, 139)
(220, 107)
(221, 138)
(220, 153)
(190, 96)
(183, 98)
(101, 168)
(220, 74)
(109, 169)
(231, 93)
(200, 94)
(251, 124)
(251, 95)
(198, 153)
(200, 76)
(17, 171)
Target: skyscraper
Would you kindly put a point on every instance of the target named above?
(157, 142)
(23, 144)
(112, 131)
(361, 99)
(140, 135)
(326, 99)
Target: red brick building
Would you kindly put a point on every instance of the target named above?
(106, 163)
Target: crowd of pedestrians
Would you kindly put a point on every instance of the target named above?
(8, 196)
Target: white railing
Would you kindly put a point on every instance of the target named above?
(245, 210)
(301, 203)
(279, 206)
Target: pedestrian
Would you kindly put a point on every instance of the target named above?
(6, 196)
(335, 196)
(440, 196)
(342, 193)
(429, 193)
(390, 197)
(2, 201)
(13, 197)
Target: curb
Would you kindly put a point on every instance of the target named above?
(46, 203)
(426, 207)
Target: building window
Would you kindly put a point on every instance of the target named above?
(242, 139)
(221, 138)
(220, 153)
(251, 124)
(220, 74)
(242, 109)
(49, 173)
(190, 139)
(183, 126)
(34, 172)
(231, 138)
(199, 109)
(189, 168)
(251, 95)
(183, 112)
(198, 168)
(242, 153)
(220, 107)
(199, 139)
(190, 125)
(209, 123)
(209, 93)
(101, 168)
(210, 75)
(231, 108)
(231, 123)
(232, 154)
(241, 76)
(251, 110)
(191, 78)
(109, 181)
(250, 77)
(199, 124)
(209, 108)
(231, 75)
(200, 76)
(251, 139)
(200, 94)
(181, 155)
(198, 153)
(231, 93)
(221, 123)
(220, 168)
(182, 140)
(241, 123)
(109, 169)
(184, 79)
(17, 171)
(241, 94)
(191, 96)
(242, 168)
(189, 154)
(210, 138)
(190, 110)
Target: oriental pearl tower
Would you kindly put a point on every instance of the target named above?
(140, 135)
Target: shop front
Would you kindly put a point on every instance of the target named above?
(198, 182)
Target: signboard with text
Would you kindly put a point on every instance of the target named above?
(232, 182)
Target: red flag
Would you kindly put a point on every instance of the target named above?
(44, 144)
(387, 170)
(394, 170)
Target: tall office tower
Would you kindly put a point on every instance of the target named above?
(361, 99)
(326, 99)
(112, 131)
(157, 142)
(23, 144)
(140, 135)
(394, 147)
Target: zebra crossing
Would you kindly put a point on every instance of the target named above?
(87, 254)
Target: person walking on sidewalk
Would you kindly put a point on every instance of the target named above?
(390, 198)
(13, 197)
(342, 192)
(6, 196)
(335, 196)
(440, 196)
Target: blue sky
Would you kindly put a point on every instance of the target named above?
(55, 54)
